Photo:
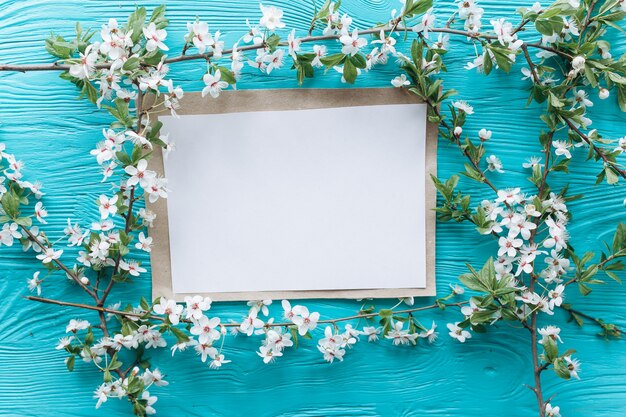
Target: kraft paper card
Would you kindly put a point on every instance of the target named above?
(294, 194)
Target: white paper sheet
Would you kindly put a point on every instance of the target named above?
(298, 200)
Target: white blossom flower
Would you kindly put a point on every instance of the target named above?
(509, 246)
(9, 232)
(573, 365)
(555, 296)
(331, 352)
(155, 38)
(478, 63)
(64, 342)
(278, 340)
(169, 308)
(217, 360)
(250, 322)
(84, 69)
(150, 400)
(34, 283)
(400, 81)
(199, 35)
(320, 52)
(147, 216)
(304, 320)
(400, 336)
(457, 289)
(214, 84)
(145, 243)
(271, 18)
(293, 43)
(427, 22)
(107, 206)
(154, 377)
(550, 332)
(509, 196)
(551, 411)
(458, 333)
(206, 329)
(562, 148)
(76, 325)
(371, 332)
(156, 189)
(40, 212)
(494, 164)
(132, 267)
(463, 106)
(140, 174)
(352, 44)
(578, 63)
(49, 255)
(484, 134)
(268, 354)
(430, 334)
(261, 305)
(603, 93)
(196, 306)
(532, 162)
(274, 60)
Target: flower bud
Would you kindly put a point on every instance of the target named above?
(457, 131)
(84, 280)
(484, 135)
(603, 94)
(578, 63)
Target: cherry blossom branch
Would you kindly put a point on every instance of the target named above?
(56, 66)
(607, 327)
(233, 324)
(60, 264)
(598, 151)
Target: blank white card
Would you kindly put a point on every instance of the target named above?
(323, 199)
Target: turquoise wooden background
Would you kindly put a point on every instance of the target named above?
(44, 125)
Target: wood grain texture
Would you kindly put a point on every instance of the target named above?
(44, 125)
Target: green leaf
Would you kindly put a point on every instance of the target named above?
(69, 362)
(158, 17)
(57, 46)
(584, 289)
(272, 42)
(331, 60)
(10, 204)
(131, 64)
(619, 240)
(227, 75)
(135, 23)
(180, 335)
(611, 176)
(419, 7)
(551, 349)
(473, 173)
(358, 61)
(24, 221)
(349, 72)
(561, 369)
